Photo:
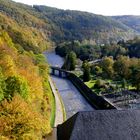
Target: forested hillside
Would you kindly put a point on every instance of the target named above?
(42, 24)
(70, 25)
(131, 21)
(25, 103)
(23, 25)
(25, 95)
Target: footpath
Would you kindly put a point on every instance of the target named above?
(59, 116)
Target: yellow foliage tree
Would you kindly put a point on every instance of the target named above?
(19, 121)
(8, 66)
(22, 73)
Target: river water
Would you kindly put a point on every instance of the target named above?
(72, 99)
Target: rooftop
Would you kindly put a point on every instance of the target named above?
(101, 125)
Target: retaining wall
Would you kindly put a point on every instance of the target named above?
(96, 101)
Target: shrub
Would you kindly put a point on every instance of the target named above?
(99, 83)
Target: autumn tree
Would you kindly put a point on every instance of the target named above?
(121, 67)
(107, 67)
(25, 98)
(18, 120)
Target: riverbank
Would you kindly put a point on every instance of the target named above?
(59, 111)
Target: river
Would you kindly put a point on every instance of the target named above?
(72, 99)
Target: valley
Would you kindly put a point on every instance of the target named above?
(100, 51)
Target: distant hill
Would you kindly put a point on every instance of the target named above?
(38, 26)
(130, 21)
(24, 26)
(76, 25)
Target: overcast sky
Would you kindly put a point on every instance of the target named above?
(104, 7)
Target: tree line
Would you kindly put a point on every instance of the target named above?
(122, 69)
(118, 61)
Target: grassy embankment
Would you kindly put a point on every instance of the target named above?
(53, 105)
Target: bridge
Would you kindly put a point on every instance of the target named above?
(97, 102)
(59, 72)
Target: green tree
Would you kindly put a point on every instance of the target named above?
(121, 67)
(70, 61)
(16, 85)
(96, 70)
(135, 77)
(86, 71)
(124, 83)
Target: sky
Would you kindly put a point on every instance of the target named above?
(103, 7)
